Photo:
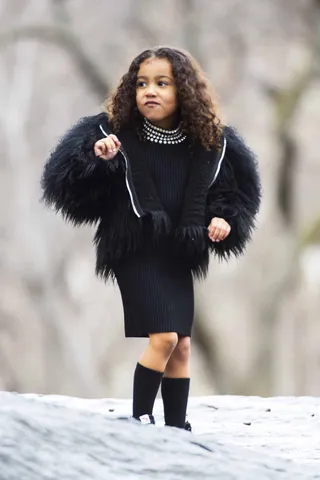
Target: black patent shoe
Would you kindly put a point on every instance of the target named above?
(187, 426)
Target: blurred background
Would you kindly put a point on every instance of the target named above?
(257, 326)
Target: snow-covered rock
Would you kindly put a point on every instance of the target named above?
(63, 438)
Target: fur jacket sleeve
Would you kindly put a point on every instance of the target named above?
(235, 196)
(74, 181)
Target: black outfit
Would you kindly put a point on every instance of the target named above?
(156, 286)
(157, 294)
(121, 197)
(175, 393)
(153, 204)
(146, 384)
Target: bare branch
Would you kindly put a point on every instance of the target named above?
(61, 37)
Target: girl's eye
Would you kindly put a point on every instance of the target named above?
(142, 84)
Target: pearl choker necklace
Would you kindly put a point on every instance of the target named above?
(160, 135)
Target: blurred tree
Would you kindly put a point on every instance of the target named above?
(62, 34)
(249, 298)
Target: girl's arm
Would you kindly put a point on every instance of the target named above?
(235, 196)
(75, 181)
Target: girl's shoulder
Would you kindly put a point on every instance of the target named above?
(90, 125)
(237, 151)
(94, 120)
(233, 138)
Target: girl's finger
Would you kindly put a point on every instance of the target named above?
(116, 141)
(100, 148)
(114, 138)
(212, 229)
(217, 234)
(222, 234)
(213, 225)
(225, 232)
(214, 235)
(220, 230)
(221, 226)
(110, 145)
(228, 231)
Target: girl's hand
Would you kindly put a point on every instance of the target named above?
(107, 148)
(218, 229)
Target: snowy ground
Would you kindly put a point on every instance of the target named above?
(55, 437)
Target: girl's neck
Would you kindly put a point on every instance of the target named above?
(169, 123)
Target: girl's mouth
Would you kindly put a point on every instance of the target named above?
(151, 104)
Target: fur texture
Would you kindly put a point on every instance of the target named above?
(86, 189)
(235, 196)
(76, 182)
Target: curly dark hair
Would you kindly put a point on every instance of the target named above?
(197, 111)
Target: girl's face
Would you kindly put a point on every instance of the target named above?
(156, 92)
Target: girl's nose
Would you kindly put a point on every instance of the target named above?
(150, 91)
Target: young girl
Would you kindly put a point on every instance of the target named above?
(167, 183)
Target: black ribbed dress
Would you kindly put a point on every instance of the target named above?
(156, 287)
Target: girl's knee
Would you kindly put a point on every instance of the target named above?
(166, 342)
(183, 349)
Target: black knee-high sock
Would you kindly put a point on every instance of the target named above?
(175, 393)
(145, 388)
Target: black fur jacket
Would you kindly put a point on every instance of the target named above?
(121, 198)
